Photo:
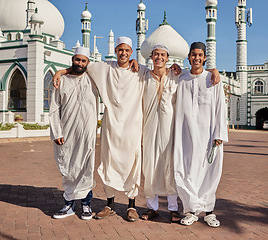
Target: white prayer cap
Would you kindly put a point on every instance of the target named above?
(82, 51)
(160, 46)
(125, 40)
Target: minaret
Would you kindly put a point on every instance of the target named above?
(141, 28)
(36, 26)
(111, 54)
(86, 27)
(241, 63)
(30, 12)
(211, 18)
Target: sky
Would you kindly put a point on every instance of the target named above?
(187, 17)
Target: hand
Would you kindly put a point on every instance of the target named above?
(176, 68)
(59, 141)
(217, 142)
(215, 76)
(133, 65)
(56, 79)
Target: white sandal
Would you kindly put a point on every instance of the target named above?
(189, 219)
(212, 221)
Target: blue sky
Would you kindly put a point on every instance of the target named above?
(187, 17)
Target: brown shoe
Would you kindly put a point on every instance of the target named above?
(106, 212)
(132, 215)
(175, 216)
(149, 214)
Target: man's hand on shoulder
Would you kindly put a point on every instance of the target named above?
(176, 68)
(57, 76)
(133, 65)
(215, 76)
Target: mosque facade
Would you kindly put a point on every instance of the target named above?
(31, 52)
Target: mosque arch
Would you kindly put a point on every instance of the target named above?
(261, 116)
(9, 72)
(258, 86)
(48, 89)
(17, 92)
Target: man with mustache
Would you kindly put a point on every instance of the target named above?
(73, 122)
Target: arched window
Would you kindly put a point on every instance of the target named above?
(17, 92)
(9, 37)
(238, 110)
(48, 88)
(18, 36)
(258, 87)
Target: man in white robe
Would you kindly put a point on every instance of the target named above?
(73, 122)
(200, 128)
(121, 92)
(159, 101)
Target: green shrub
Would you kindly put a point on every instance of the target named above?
(34, 126)
(6, 126)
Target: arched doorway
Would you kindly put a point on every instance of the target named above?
(17, 92)
(48, 88)
(261, 116)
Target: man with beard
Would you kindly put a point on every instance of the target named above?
(73, 122)
(121, 92)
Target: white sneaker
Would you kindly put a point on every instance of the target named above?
(212, 221)
(66, 211)
(86, 212)
(189, 219)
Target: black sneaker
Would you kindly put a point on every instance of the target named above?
(66, 211)
(86, 212)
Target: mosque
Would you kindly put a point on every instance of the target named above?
(31, 52)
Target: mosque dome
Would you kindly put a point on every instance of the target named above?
(36, 17)
(13, 16)
(141, 6)
(86, 14)
(177, 46)
(211, 3)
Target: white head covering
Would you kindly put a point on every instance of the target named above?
(160, 46)
(82, 51)
(125, 40)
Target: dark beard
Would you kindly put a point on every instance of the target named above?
(78, 70)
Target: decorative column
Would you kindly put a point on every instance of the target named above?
(211, 18)
(35, 71)
(241, 20)
(111, 54)
(86, 27)
(141, 28)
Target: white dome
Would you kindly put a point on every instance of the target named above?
(13, 16)
(211, 3)
(86, 14)
(177, 46)
(36, 18)
(141, 6)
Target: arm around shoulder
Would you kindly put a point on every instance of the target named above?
(57, 76)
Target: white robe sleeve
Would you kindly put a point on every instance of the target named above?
(55, 115)
(220, 130)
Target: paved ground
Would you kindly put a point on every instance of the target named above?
(30, 192)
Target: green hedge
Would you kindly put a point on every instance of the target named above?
(34, 126)
(6, 126)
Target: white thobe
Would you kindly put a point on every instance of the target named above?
(200, 119)
(73, 116)
(121, 92)
(159, 101)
